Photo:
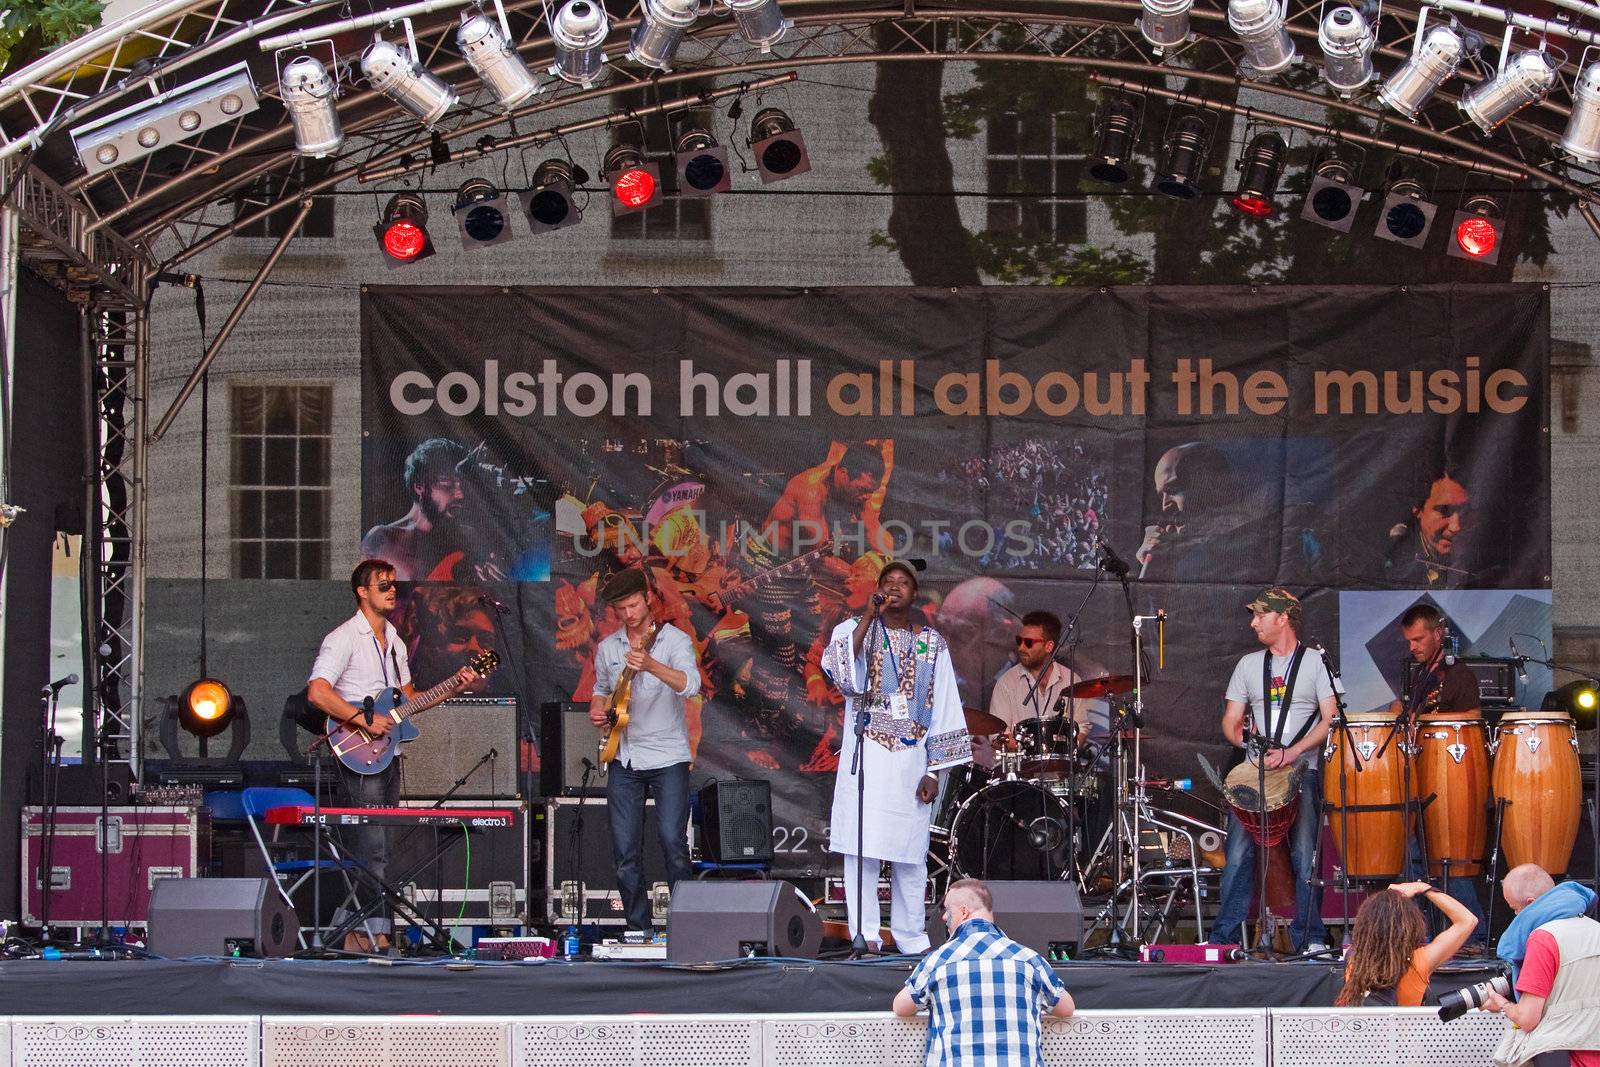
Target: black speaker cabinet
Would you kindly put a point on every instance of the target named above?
(1045, 916)
(730, 920)
(218, 916)
(736, 821)
(472, 740)
(566, 739)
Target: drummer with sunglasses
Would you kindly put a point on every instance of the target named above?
(1288, 691)
(1032, 686)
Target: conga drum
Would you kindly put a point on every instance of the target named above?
(1536, 773)
(1452, 764)
(1367, 813)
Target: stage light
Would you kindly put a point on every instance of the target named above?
(1259, 25)
(1260, 166)
(702, 164)
(206, 708)
(549, 204)
(1407, 216)
(399, 76)
(1347, 41)
(1333, 197)
(486, 46)
(403, 231)
(662, 24)
(482, 214)
(310, 96)
(579, 32)
(1527, 77)
(761, 22)
(1577, 698)
(135, 132)
(1409, 88)
(635, 183)
(1582, 137)
(1182, 157)
(779, 147)
(1117, 131)
(1164, 23)
(1479, 228)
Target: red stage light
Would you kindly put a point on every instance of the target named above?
(1476, 237)
(404, 240)
(1254, 206)
(634, 187)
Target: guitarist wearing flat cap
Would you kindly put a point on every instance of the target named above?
(643, 674)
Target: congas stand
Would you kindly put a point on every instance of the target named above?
(1339, 724)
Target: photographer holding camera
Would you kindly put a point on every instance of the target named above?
(1554, 952)
(1390, 958)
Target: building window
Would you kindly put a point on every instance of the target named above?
(263, 191)
(282, 446)
(1032, 180)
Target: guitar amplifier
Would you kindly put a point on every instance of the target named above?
(470, 740)
(1497, 679)
(566, 739)
(571, 856)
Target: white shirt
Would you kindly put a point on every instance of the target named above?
(349, 660)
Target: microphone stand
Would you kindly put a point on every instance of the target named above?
(49, 786)
(858, 768)
(1342, 725)
(1115, 943)
(1067, 706)
(1256, 742)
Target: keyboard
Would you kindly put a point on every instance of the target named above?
(471, 818)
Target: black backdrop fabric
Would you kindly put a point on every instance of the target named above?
(1332, 440)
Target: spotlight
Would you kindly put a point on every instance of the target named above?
(1117, 132)
(486, 46)
(1527, 77)
(579, 31)
(1333, 197)
(549, 204)
(1259, 26)
(482, 214)
(760, 21)
(780, 149)
(1582, 139)
(1347, 41)
(662, 24)
(1407, 216)
(1182, 156)
(1259, 165)
(1429, 65)
(702, 164)
(635, 184)
(1164, 23)
(403, 231)
(402, 78)
(1479, 228)
(1577, 698)
(174, 116)
(206, 708)
(309, 96)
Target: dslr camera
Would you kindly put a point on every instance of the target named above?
(1455, 1004)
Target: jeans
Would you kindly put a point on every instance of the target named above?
(626, 790)
(1239, 875)
(1463, 889)
(369, 845)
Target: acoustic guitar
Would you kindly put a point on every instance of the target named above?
(617, 713)
(365, 754)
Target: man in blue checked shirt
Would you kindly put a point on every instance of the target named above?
(983, 991)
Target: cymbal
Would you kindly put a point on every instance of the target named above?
(981, 722)
(1108, 685)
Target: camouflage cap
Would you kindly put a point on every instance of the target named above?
(1275, 599)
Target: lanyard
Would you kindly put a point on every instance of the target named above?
(384, 667)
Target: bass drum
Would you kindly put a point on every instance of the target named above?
(1011, 830)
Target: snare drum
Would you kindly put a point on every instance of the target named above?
(1536, 773)
(1369, 825)
(1452, 764)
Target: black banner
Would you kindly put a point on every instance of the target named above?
(1352, 444)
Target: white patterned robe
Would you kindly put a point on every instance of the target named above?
(898, 752)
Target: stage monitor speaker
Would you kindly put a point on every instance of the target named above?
(736, 820)
(566, 739)
(471, 740)
(732, 920)
(1045, 916)
(220, 917)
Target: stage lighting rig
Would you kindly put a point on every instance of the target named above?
(1479, 229)
(662, 24)
(1164, 23)
(403, 231)
(549, 204)
(1117, 123)
(1582, 137)
(579, 31)
(1434, 57)
(1407, 214)
(400, 76)
(761, 22)
(1578, 698)
(482, 214)
(1333, 198)
(1259, 25)
(1183, 155)
(206, 708)
(702, 164)
(778, 145)
(1521, 80)
(1260, 166)
(1347, 40)
(311, 96)
(635, 183)
(485, 44)
(135, 132)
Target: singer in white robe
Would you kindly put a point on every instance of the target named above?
(928, 735)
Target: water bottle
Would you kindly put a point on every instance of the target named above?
(570, 945)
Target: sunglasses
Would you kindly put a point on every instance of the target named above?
(386, 584)
(1029, 642)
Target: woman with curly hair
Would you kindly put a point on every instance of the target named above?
(1390, 959)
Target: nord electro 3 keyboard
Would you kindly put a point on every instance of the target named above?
(471, 818)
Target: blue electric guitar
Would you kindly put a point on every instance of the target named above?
(365, 754)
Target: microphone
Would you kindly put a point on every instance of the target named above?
(366, 709)
(493, 605)
(587, 764)
(1522, 662)
(1181, 785)
(59, 684)
(494, 753)
(1110, 561)
(879, 600)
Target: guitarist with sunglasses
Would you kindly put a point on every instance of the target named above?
(643, 674)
